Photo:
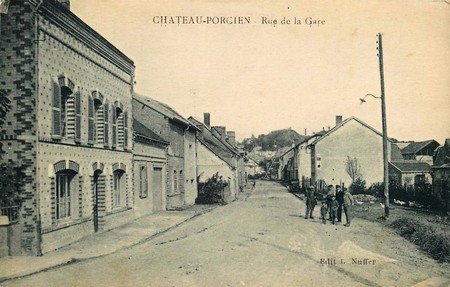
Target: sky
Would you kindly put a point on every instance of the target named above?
(258, 77)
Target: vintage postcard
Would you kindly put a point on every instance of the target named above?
(224, 143)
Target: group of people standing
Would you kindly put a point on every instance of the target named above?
(336, 201)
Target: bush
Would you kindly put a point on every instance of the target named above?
(432, 240)
(212, 191)
(376, 189)
(10, 181)
(358, 186)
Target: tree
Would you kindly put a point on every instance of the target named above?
(353, 168)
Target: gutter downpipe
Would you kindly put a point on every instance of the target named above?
(36, 69)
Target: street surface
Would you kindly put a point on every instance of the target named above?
(261, 241)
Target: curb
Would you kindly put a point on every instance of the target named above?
(125, 247)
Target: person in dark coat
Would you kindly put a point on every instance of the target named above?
(330, 193)
(334, 209)
(323, 212)
(340, 200)
(310, 202)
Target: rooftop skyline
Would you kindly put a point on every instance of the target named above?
(256, 77)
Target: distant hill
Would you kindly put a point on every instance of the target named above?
(273, 141)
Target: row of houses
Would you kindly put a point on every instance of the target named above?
(323, 158)
(93, 153)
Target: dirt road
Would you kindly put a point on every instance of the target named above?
(261, 241)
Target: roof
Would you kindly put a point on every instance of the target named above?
(142, 130)
(215, 144)
(396, 153)
(415, 147)
(411, 166)
(162, 109)
(282, 151)
(344, 123)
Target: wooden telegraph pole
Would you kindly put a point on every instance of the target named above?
(385, 137)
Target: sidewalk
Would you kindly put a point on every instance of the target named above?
(100, 244)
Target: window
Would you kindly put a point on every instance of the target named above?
(63, 195)
(120, 126)
(175, 182)
(143, 181)
(66, 110)
(97, 118)
(118, 187)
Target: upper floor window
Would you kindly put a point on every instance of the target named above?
(97, 119)
(120, 126)
(66, 110)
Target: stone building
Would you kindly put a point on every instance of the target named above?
(69, 125)
(150, 169)
(181, 173)
(349, 138)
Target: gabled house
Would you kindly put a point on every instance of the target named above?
(422, 151)
(150, 170)
(69, 125)
(351, 138)
(215, 156)
(181, 172)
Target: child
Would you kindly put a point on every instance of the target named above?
(334, 209)
(323, 212)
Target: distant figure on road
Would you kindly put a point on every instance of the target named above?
(331, 192)
(310, 202)
(254, 184)
(334, 209)
(348, 202)
(340, 200)
(323, 212)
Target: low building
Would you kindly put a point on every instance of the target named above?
(150, 170)
(441, 172)
(409, 173)
(181, 173)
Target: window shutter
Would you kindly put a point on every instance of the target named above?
(91, 121)
(77, 117)
(106, 124)
(56, 111)
(114, 127)
(125, 130)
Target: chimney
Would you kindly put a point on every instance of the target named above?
(65, 3)
(231, 137)
(222, 131)
(207, 119)
(338, 120)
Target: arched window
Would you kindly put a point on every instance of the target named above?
(66, 110)
(66, 190)
(120, 126)
(96, 118)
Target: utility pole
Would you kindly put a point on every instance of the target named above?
(385, 137)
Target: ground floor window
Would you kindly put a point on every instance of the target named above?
(63, 195)
(118, 187)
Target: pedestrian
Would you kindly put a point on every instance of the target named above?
(348, 202)
(323, 212)
(334, 209)
(254, 183)
(310, 202)
(331, 192)
(340, 200)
